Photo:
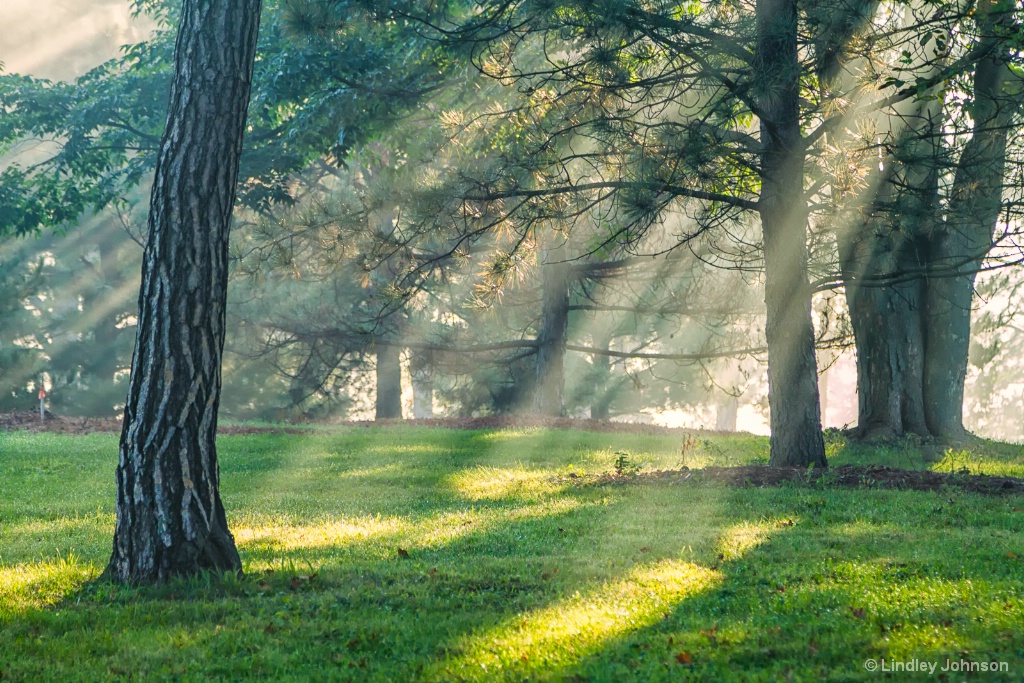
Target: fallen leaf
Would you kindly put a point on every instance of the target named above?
(858, 612)
(402, 552)
(684, 658)
(645, 549)
(1011, 555)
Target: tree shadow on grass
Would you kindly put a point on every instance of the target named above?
(331, 614)
(817, 601)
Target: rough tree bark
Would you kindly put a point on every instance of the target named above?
(170, 519)
(796, 438)
(389, 383)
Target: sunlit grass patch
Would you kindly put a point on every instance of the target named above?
(740, 538)
(43, 583)
(493, 483)
(554, 637)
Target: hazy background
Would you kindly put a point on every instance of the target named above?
(61, 39)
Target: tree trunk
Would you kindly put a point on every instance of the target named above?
(886, 316)
(170, 519)
(726, 413)
(602, 394)
(796, 438)
(422, 374)
(964, 239)
(389, 383)
(554, 324)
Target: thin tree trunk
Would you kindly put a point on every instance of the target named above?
(554, 324)
(796, 438)
(726, 413)
(106, 334)
(170, 519)
(422, 375)
(389, 383)
(602, 393)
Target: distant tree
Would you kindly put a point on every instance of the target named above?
(170, 519)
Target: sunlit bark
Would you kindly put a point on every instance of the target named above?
(796, 438)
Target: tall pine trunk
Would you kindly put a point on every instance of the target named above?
(389, 383)
(602, 393)
(421, 371)
(554, 323)
(881, 265)
(961, 243)
(796, 438)
(170, 519)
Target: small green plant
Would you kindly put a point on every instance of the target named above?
(624, 465)
(957, 462)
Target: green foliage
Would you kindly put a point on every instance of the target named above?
(624, 464)
(413, 554)
(314, 96)
(20, 278)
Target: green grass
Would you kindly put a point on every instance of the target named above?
(513, 571)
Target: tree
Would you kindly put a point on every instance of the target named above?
(656, 113)
(923, 223)
(170, 518)
(796, 438)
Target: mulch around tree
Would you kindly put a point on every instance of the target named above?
(759, 476)
(843, 476)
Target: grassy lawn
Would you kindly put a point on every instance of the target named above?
(407, 554)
